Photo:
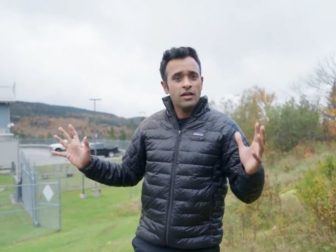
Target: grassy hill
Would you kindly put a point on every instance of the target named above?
(39, 120)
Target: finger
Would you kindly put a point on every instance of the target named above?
(256, 130)
(73, 132)
(66, 135)
(86, 142)
(58, 138)
(259, 134)
(238, 139)
(61, 141)
(262, 134)
(256, 157)
(259, 137)
(261, 145)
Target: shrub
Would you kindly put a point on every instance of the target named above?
(317, 189)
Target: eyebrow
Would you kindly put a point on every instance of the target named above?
(189, 73)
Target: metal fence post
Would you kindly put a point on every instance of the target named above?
(34, 200)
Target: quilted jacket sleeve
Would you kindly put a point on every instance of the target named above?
(127, 173)
(246, 187)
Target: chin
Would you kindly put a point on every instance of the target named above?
(188, 105)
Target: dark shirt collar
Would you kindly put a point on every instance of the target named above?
(201, 107)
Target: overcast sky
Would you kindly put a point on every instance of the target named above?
(65, 52)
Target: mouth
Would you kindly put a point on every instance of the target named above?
(187, 94)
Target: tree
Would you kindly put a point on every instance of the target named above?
(329, 114)
(111, 133)
(330, 111)
(292, 123)
(324, 80)
(123, 135)
(252, 107)
(324, 76)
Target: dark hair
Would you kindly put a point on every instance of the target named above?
(177, 53)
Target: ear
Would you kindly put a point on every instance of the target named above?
(202, 81)
(165, 86)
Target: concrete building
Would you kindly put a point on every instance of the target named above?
(7, 96)
(9, 147)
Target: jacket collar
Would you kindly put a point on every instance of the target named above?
(201, 107)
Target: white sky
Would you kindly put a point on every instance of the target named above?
(65, 52)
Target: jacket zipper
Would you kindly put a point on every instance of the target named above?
(172, 185)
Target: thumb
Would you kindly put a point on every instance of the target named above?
(238, 139)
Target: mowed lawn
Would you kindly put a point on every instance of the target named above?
(105, 223)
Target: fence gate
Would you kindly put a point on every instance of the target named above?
(28, 208)
(41, 199)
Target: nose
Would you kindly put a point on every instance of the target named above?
(187, 83)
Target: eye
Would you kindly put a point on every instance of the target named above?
(194, 76)
(177, 78)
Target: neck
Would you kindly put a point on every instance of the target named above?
(183, 114)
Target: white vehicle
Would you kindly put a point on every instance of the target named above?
(56, 147)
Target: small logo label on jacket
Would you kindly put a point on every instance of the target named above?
(198, 134)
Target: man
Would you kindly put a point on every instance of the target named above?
(185, 155)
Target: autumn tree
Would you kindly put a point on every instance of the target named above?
(252, 107)
(329, 114)
(323, 80)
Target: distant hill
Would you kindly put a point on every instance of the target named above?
(39, 120)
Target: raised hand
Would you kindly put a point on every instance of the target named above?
(76, 151)
(250, 156)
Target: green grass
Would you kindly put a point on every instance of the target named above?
(279, 221)
(13, 217)
(108, 223)
(105, 223)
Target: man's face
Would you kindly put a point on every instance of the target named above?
(184, 85)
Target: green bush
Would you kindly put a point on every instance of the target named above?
(293, 123)
(317, 189)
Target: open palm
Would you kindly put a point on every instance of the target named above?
(76, 151)
(250, 156)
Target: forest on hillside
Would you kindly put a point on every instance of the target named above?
(39, 120)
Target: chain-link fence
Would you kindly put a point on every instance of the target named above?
(30, 196)
(38, 196)
(29, 207)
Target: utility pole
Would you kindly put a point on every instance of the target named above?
(96, 190)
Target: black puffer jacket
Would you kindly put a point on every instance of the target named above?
(185, 176)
